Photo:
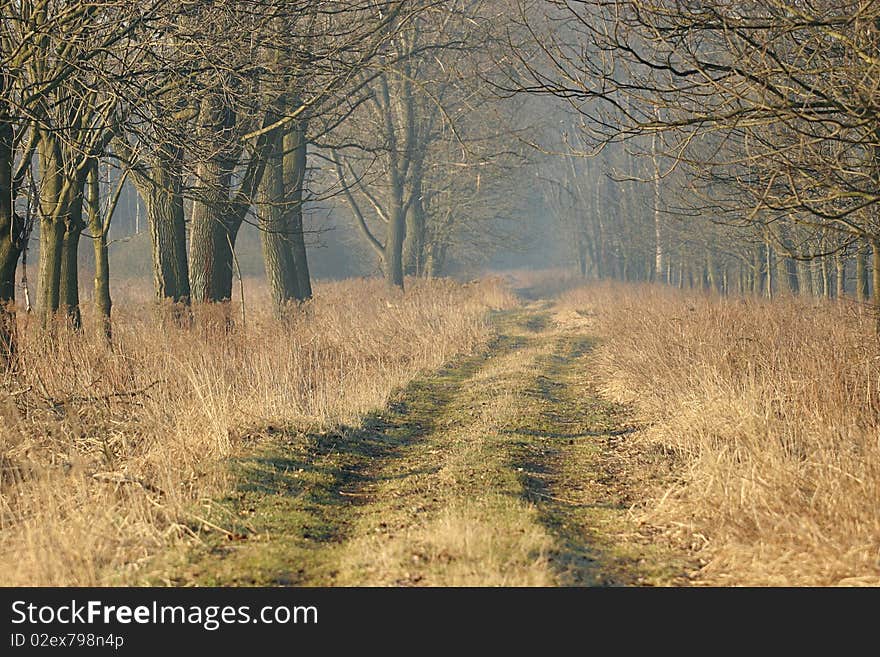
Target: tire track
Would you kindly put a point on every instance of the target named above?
(489, 472)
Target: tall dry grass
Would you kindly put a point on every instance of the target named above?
(105, 452)
(774, 407)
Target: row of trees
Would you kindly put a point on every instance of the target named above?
(237, 111)
(425, 162)
(624, 219)
(757, 123)
(724, 144)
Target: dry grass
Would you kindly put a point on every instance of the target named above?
(451, 512)
(105, 452)
(773, 406)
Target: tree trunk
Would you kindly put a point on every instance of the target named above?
(658, 227)
(599, 243)
(52, 223)
(840, 267)
(791, 273)
(394, 248)
(436, 260)
(826, 278)
(295, 166)
(10, 237)
(9, 252)
(276, 234)
(759, 264)
(862, 283)
(711, 276)
(225, 259)
(816, 277)
(211, 258)
(51, 242)
(162, 196)
(168, 245)
(875, 252)
(68, 293)
(805, 276)
(103, 303)
(61, 223)
(414, 245)
(211, 242)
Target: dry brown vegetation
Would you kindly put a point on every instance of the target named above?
(772, 407)
(107, 452)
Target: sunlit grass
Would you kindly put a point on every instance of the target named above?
(106, 450)
(773, 406)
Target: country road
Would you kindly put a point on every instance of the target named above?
(501, 469)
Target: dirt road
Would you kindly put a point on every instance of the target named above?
(499, 470)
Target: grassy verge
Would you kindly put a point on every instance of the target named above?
(768, 411)
(111, 453)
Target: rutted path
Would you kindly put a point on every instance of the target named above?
(493, 471)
